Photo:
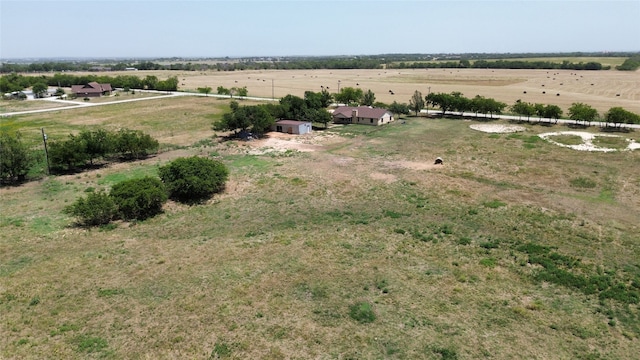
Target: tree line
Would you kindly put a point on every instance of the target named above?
(17, 159)
(18, 82)
(501, 64)
(478, 60)
(455, 101)
(630, 64)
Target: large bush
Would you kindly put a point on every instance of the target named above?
(138, 199)
(193, 179)
(97, 208)
(68, 154)
(15, 160)
(134, 144)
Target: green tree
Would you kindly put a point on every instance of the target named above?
(540, 110)
(368, 98)
(139, 199)
(15, 160)
(255, 117)
(619, 116)
(171, 84)
(97, 208)
(326, 97)
(134, 144)
(553, 112)
(416, 103)
(39, 89)
(523, 108)
(460, 103)
(193, 179)
(240, 91)
(349, 95)
(221, 90)
(582, 112)
(293, 107)
(479, 105)
(313, 100)
(400, 109)
(98, 143)
(445, 102)
(150, 82)
(68, 154)
(259, 118)
(204, 90)
(630, 64)
(318, 115)
(494, 107)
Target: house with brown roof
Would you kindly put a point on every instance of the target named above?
(92, 89)
(364, 115)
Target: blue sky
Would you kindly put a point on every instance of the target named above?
(192, 28)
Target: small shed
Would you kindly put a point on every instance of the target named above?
(292, 127)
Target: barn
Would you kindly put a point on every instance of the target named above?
(292, 127)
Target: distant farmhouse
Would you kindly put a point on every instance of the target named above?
(292, 127)
(362, 115)
(92, 89)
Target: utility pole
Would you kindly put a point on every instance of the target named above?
(46, 152)
(272, 92)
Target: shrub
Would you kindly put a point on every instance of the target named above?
(97, 208)
(582, 182)
(193, 179)
(68, 154)
(362, 312)
(138, 199)
(15, 160)
(134, 144)
(464, 241)
(493, 204)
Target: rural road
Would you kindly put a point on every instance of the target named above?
(164, 94)
(79, 104)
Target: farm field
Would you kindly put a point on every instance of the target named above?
(600, 89)
(345, 243)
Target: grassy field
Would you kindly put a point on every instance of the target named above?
(360, 249)
(599, 89)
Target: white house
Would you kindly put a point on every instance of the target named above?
(292, 127)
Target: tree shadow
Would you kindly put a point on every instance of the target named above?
(616, 129)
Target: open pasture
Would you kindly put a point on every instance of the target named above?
(356, 247)
(600, 89)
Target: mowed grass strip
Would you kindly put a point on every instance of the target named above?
(308, 255)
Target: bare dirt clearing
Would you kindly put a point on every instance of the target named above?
(497, 128)
(587, 138)
(281, 142)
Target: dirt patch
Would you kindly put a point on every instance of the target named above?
(388, 178)
(587, 138)
(413, 165)
(281, 142)
(497, 128)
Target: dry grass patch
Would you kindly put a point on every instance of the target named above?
(303, 246)
(7, 106)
